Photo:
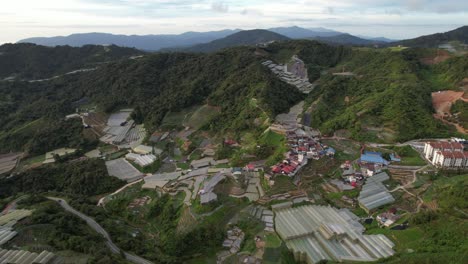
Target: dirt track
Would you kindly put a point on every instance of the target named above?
(443, 100)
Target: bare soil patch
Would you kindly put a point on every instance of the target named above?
(442, 55)
(443, 100)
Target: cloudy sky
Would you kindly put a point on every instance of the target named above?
(396, 19)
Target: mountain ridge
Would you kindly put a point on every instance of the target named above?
(156, 42)
(433, 40)
(242, 38)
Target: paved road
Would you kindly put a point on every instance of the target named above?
(103, 199)
(94, 225)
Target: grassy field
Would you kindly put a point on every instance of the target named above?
(202, 116)
(282, 185)
(272, 240)
(409, 156)
(271, 138)
(183, 166)
(346, 149)
(440, 241)
(176, 119)
(31, 161)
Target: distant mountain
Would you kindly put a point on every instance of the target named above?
(382, 39)
(379, 39)
(142, 42)
(242, 38)
(347, 39)
(171, 41)
(303, 33)
(434, 40)
(31, 61)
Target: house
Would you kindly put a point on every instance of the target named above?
(395, 158)
(201, 163)
(230, 142)
(331, 152)
(373, 158)
(222, 161)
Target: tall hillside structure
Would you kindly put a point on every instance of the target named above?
(297, 67)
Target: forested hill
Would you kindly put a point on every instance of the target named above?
(434, 40)
(347, 39)
(388, 98)
(30, 61)
(159, 83)
(242, 38)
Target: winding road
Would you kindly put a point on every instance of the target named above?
(94, 225)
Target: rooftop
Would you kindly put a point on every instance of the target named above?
(327, 233)
(374, 194)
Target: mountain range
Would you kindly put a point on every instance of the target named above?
(142, 42)
(185, 40)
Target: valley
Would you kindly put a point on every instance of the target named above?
(265, 150)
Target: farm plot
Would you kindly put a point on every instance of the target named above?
(8, 162)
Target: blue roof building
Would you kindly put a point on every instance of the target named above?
(395, 158)
(373, 157)
(331, 151)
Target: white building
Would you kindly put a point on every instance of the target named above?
(446, 154)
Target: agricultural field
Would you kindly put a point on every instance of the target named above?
(282, 184)
(201, 116)
(8, 162)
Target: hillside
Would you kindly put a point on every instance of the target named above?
(143, 42)
(156, 84)
(347, 39)
(242, 38)
(434, 40)
(30, 61)
(388, 98)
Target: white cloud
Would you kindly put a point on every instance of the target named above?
(220, 7)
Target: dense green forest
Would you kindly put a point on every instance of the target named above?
(86, 178)
(390, 91)
(30, 61)
(453, 70)
(157, 84)
(42, 135)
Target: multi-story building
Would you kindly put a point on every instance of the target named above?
(446, 154)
